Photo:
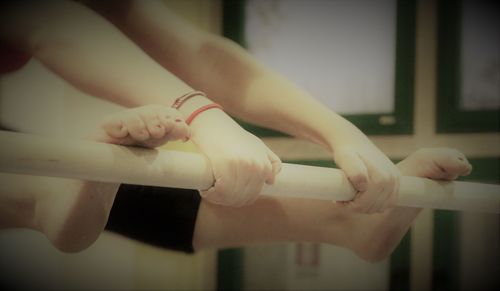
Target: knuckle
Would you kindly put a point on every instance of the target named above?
(268, 171)
(251, 165)
(357, 178)
(383, 179)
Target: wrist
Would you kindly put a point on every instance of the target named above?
(341, 131)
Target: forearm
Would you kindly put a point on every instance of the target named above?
(273, 101)
(89, 53)
(261, 96)
(227, 73)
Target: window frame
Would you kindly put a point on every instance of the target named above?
(450, 118)
(396, 123)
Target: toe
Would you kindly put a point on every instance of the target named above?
(115, 128)
(137, 128)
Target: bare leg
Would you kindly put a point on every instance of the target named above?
(378, 235)
(273, 219)
(73, 213)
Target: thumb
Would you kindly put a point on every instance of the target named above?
(354, 168)
(275, 164)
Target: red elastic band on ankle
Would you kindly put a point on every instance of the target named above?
(200, 110)
(179, 101)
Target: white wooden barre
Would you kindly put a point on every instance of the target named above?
(57, 157)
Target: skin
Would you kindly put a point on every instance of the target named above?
(144, 38)
(177, 58)
(72, 213)
(372, 237)
(254, 93)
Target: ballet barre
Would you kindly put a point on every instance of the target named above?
(30, 154)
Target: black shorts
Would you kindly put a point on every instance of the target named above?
(159, 216)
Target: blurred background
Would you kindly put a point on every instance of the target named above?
(410, 73)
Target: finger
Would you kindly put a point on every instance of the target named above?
(248, 182)
(259, 181)
(394, 198)
(251, 191)
(383, 175)
(354, 168)
(448, 176)
(211, 195)
(364, 201)
(384, 201)
(215, 194)
(226, 184)
(378, 204)
(389, 197)
(275, 167)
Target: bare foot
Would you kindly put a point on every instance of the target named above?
(374, 237)
(436, 163)
(149, 126)
(73, 213)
